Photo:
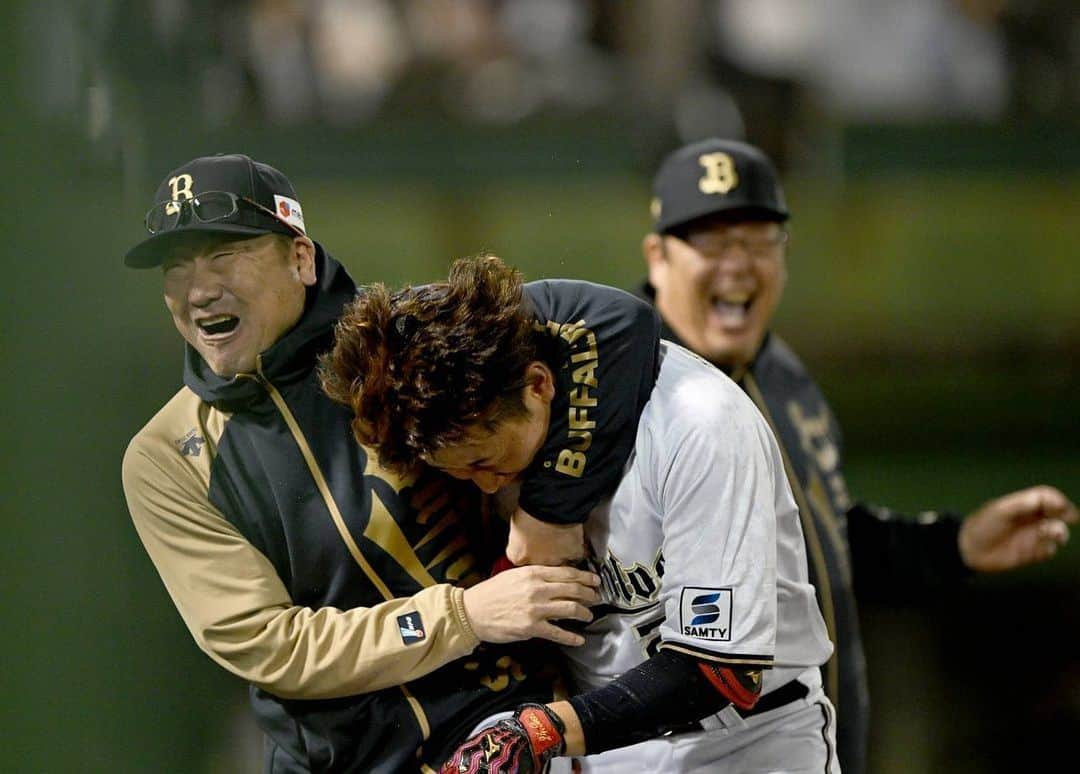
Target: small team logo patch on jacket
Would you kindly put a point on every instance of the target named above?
(411, 627)
(706, 613)
(191, 444)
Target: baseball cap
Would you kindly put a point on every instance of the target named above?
(258, 200)
(713, 176)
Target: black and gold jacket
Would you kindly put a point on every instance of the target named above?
(334, 587)
(854, 550)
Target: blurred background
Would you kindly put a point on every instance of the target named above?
(931, 150)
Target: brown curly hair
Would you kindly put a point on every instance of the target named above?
(420, 365)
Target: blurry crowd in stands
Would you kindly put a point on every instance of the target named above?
(701, 66)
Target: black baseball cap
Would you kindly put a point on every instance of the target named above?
(714, 176)
(265, 200)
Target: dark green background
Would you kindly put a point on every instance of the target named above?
(933, 293)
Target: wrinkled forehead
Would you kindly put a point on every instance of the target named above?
(191, 246)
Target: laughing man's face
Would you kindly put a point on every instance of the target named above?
(718, 286)
(233, 300)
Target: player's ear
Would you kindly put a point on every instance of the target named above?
(656, 262)
(540, 381)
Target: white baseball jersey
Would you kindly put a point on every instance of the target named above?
(700, 549)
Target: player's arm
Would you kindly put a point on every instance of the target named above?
(668, 692)
(240, 613)
(608, 351)
(534, 541)
(604, 342)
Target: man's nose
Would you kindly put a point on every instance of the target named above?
(205, 286)
(735, 258)
(489, 482)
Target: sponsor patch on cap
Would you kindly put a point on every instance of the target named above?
(411, 627)
(706, 613)
(289, 211)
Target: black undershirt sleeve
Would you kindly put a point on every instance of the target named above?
(660, 695)
(603, 345)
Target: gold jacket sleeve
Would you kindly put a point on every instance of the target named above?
(240, 613)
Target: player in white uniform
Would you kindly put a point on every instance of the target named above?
(700, 551)
(710, 639)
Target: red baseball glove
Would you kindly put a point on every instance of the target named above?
(522, 744)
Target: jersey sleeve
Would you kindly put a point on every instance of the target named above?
(605, 352)
(240, 613)
(716, 488)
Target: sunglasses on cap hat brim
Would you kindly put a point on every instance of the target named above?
(175, 223)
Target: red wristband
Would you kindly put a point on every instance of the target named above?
(545, 730)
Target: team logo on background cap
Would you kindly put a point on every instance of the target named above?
(705, 613)
(289, 211)
(411, 627)
(720, 175)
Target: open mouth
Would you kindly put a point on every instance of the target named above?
(218, 325)
(733, 309)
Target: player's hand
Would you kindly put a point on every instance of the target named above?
(533, 541)
(522, 744)
(522, 602)
(1016, 529)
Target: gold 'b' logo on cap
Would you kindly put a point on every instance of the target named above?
(181, 186)
(720, 175)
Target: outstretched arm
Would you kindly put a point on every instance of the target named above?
(898, 559)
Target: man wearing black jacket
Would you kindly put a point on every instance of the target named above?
(716, 272)
(352, 599)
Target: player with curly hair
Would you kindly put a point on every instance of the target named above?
(706, 649)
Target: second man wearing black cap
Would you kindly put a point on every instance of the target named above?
(716, 273)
